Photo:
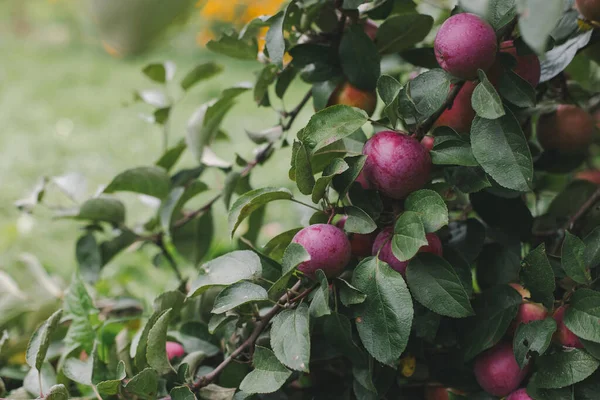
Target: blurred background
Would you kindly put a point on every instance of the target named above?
(68, 76)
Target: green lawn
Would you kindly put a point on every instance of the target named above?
(63, 109)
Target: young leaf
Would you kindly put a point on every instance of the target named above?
(330, 125)
(434, 283)
(402, 31)
(200, 73)
(409, 236)
(564, 368)
(290, 338)
(583, 316)
(430, 207)
(227, 269)
(156, 352)
(359, 58)
(268, 374)
(537, 273)
(485, 100)
(573, 259)
(152, 181)
(144, 384)
(384, 319)
(237, 294)
(40, 341)
(358, 221)
(251, 201)
(319, 306)
(501, 148)
(534, 336)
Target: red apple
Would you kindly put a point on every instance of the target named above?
(349, 95)
(563, 335)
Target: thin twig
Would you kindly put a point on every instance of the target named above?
(422, 129)
(258, 329)
(294, 113)
(595, 197)
(172, 263)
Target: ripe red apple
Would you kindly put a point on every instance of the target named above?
(370, 28)
(383, 247)
(591, 175)
(528, 66)
(520, 394)
(460, 115)
(529, 311)
(569, 130)
(361, 244)
(464, 44)
(363, 181)
(397, 164)
(428, 142)
(349, 95)
(440, 393)
(328, 247)
(563, 335)
(174, 350)
(497, 371)
(590, 9)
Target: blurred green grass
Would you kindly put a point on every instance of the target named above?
(63, 109)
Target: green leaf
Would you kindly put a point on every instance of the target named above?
(330, 125)
(337, 330)
(343, 182)
(32, 382)
(193, 239)
(102, 209)
(237, 294)
(40, 341)
(277, 245)
(89, 257)
(501, 12)
(155, 97)
(573, 258)
(451, 148)
(537, 273)
(319, 305)
(402, 31)
(182, 393)
(159, 72)
(359, 58)
(501, 148)
(467, 179)
(215, 392)
(78, 371)
(290, 338)
(264, 79)
(219, 320)
(200, 73)
(485, 100)
(336, 167)
(537, 19)
(140, 342)
(275, 43)
(57, 392)
(322, 91)
(231, 46)
(294, 255)
(358, 221)
(434, 283)
(144, 384)
(156, 352)
(409, 236)
(498, 265)
(534, 336)
(388, 89)
(270, 135)
(428, 92)
(268, 374)
(111, 387)
(349, 295)
(78, 307)
(171, 156)
(152, 181)
(430, 206)
(516, 90)
(592, 248)
(495, 309)
(251, 201)
(226, 270)
(384, 319)
(564, 368)
(583, 316)
(304, 175)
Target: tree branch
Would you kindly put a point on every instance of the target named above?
(422, 129)
(595, 197)
(258, 329)
(294, 113)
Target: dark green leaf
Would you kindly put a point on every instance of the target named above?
(319, 306)
(111, 387)
(429, 91)
(103, 209)
(277, 245)
(509, 215)
(537, 273)
(182, 393)
(193, 239)
(573, 259)
(343, 182)
(144, 384)
(501, 148)
(384, 319)
(200, 73)
(592, 248)
(152, 181)
(172, 299)
(268, 374)
(89, 258)
(338, 333)
(485, 100)
(564, 368)
(516, 90)
(498, 265)
(402, 31)
(284, 80)
(40, 341)
(219, 320)
(434, 283)
(336, 167)
(290, 338)
(275, 42)
(409, 236)
(294, 255)
(231, 46)
(359, 58)
(349, 295)
(388, 89)
(450, 148)
(237, 294)
(583, 316)
(467, 179)
(57, 392)
(156, 352)
(171, 156)
(265, 78)
(251, 201)
(430, 207)
(304, 175)
(358, 221)
(159, 72)
(534, 336)
(501, 12)
(227, 269)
